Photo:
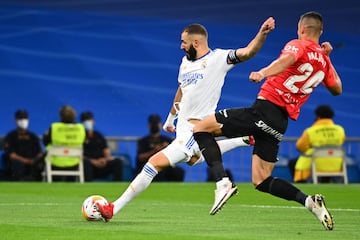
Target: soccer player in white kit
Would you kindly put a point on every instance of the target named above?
(201, 77)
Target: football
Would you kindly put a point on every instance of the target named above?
(89, 210)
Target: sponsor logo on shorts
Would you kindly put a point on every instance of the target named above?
(266, 128)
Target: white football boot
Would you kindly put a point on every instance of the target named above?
(316, 205)
(225, 189)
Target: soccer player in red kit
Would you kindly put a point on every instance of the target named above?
(302, 65)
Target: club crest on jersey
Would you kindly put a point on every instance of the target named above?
(204, 64)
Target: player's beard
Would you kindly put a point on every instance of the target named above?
(191, 53)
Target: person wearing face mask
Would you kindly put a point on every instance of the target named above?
(98, 161)
(23, 155)
(153, 143)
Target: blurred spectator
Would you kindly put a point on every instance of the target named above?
(98, 160)
(153, 143)
(23, 155)
(65, 133)
(323, 132)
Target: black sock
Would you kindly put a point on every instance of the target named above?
(212, 154)
(282, 189)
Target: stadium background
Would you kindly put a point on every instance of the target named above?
(119, 58)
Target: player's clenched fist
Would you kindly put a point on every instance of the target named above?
(256, 76)
(268, 25)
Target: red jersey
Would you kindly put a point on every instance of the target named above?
(291, 88)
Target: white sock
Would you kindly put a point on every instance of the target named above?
(226, 145)
(309, 203)
(137, 186)
(222, 182)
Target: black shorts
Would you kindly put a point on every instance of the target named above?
(265, 121)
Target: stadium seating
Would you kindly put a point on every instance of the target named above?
(329, 161)
(62, 151)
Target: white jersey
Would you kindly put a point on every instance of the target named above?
(201, 82)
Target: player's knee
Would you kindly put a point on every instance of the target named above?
(208, 126)
(159, 161)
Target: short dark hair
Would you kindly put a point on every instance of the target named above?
(316, 24)
(21, 114)
(312, 14)
(86, 116)
(324, 111)
(67, 114)
(154, 118)
(196, 28)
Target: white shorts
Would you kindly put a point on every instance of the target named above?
(184, 146)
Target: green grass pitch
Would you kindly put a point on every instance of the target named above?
(172, 211)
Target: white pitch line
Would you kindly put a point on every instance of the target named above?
(293, 207)
(240, 205)
(35, 204)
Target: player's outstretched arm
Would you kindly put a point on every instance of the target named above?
(277, 66)
(255, 45)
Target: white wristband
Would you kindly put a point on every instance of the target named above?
(169, 121)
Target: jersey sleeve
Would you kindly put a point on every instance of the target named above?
(36, 141)
(8, 145)
(222, 56)
(102, 141)
(294, 48)
(330, 79)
